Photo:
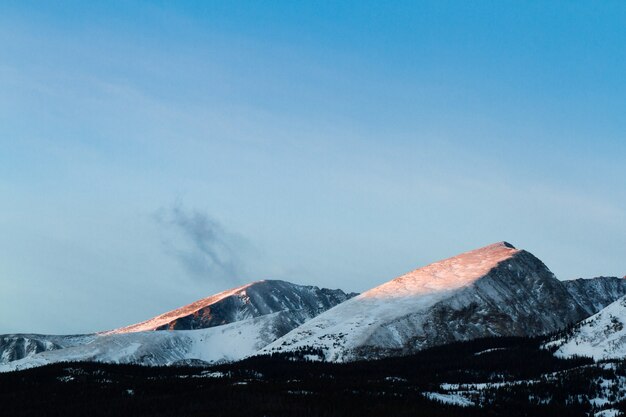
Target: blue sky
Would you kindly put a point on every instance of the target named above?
(152, 153)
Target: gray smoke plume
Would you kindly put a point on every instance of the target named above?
(202, 245)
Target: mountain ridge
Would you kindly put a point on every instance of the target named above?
(246, 301)
(484, 292)
(496, 290)
(594, 294)
(283, 304)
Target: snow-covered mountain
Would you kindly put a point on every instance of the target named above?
(17, 346)
(251, 300)
(246, 318)
(493, 291)
(497, 290)
(601, 336)
(225, 343)
(596, 293)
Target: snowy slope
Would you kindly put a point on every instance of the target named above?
(601, 336)
(17, 346)
(495, 290)
(246, 318)
(492, 291)
(230, 342)
(251, 300)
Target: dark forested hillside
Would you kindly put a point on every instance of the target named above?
(501, 376)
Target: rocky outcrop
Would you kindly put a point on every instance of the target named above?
(594, 294)
(252, 300)
(493, 291)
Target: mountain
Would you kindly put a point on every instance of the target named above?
(227, 343)
(493, 291)
(227, 326)
(596, 293)
(17, 346)
(497, 290)
(251, 300)
(601, 336)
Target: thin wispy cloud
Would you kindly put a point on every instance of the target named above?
(202, 245)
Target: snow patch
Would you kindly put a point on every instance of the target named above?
(601, 336)
(453, 399)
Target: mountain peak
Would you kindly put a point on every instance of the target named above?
(448, 274)
(168, 317)
(424, 307)
(255, 299)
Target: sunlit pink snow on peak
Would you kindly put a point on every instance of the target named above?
(448, 274)
(160, 320)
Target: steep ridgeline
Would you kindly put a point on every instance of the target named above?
(227, 327)
(596, 293)
(493, 291)
(601, 336)
(251, 300)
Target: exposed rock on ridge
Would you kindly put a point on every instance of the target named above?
(492, 291)
(251, 300)
(594, 294)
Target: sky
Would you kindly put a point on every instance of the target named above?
(154, 153)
